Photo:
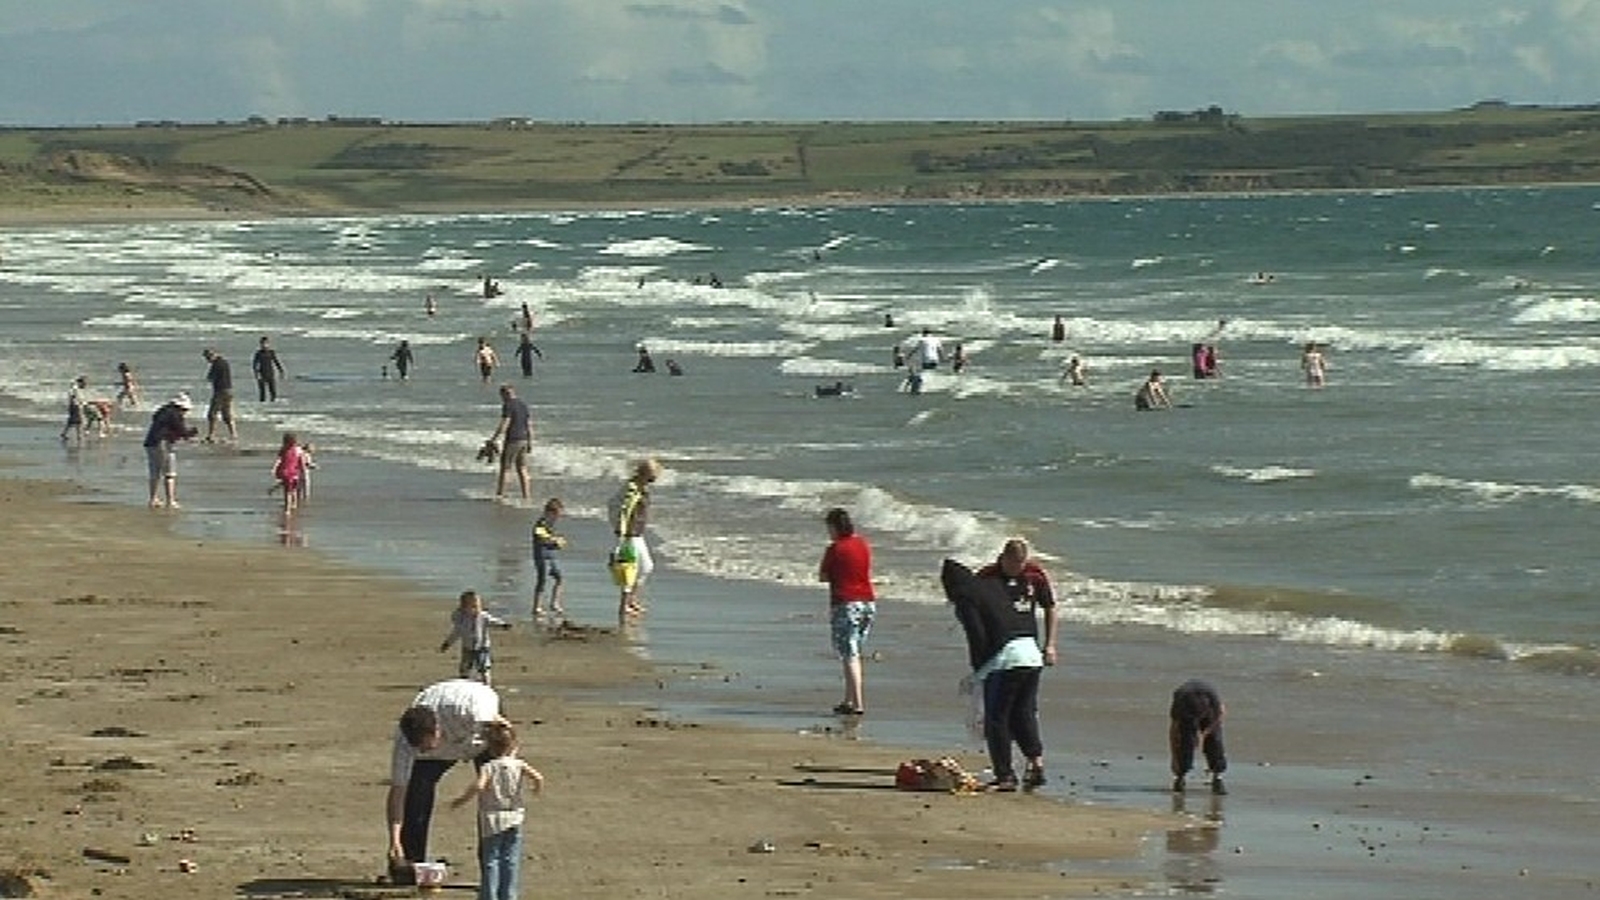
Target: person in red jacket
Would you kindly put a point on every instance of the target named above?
(847, 568)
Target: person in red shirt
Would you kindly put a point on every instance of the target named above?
(847, 568)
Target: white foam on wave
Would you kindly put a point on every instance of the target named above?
(437, 259)
(1499, 492)
(827, 368)
(1264, 474)
(1505, 357)
(117, 326)
(762, 279)
(651, 247)
(828, 331)
(1541, 310)
(1182, 609)
(726, 348)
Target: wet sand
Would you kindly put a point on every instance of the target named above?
(171, 699)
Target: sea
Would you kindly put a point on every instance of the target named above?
(1413, 542)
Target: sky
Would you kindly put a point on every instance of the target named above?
(83, 62)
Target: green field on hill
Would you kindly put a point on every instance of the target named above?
(342, 164)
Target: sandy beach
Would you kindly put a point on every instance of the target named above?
(231, 706)
(220, 688)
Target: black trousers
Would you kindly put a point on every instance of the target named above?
(1184, 735)
(1011, 713)
(418, 812)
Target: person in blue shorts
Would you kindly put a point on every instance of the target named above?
(546, 568)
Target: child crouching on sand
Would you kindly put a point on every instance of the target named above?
(470, 624)
(500, 789)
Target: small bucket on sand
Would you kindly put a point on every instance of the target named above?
(430, 875)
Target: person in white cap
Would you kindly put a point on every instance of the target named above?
(167, 428)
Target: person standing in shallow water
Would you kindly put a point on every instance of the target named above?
(220, 375)
(267, 367)
(847, 568)
(516, 427)
(167, 428)
(1196, 715)
(526, 352)
(1314, 364)
(486, 359)
(403, 359)
(630, 517)
(996, 607)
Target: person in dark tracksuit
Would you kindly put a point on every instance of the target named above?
(1196, 714)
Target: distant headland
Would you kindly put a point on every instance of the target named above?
(360, 164)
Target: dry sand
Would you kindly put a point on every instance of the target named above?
(232, 706)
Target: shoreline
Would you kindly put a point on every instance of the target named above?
(230, 705)
(68, 214)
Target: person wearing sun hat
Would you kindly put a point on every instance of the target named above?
(167, 428)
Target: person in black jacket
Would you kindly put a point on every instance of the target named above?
(996, 608)
(267, 367)
(220, 375)
(167, 428)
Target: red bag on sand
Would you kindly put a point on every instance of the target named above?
(943, 775)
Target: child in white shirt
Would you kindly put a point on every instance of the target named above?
(501, 784)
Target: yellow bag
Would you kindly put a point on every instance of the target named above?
(624, 566)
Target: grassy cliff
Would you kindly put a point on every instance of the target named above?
(363, 165)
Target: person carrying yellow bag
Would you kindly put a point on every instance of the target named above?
(630, 562)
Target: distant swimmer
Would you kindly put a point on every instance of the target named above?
(1261, 278)
(430, 306)
(888, 320)
(645, 363)
(899, 357)
(128, 388)
(1204, 357)
(958, 359)
(491, 288)
(1075, 372)
(402, 360)
(526, 351)
(1058, 331)
(673, 368)
(527, 318)
(1152, 394)
(1314, 364)
(926, 350)
(267, 367)
(486, 359)
(837, 389)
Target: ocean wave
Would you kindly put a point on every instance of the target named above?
(651, 247)
(828, 368)
(1505, 357)
(684, 347)
(1497, 492)
(1542, 310)
(1264, 474)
